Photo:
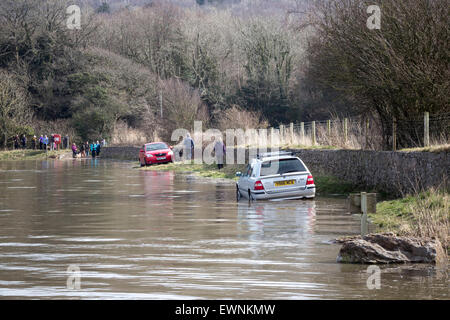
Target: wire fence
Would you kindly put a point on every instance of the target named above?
(366, 132)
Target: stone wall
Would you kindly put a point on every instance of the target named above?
(388, 171)
(383, 170)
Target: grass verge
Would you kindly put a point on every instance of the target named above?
(423, 215)
(202, 170)
(30, 154)
(332, 185)
(435, 149)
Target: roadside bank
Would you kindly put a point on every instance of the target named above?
(27, 154)
(425, 214)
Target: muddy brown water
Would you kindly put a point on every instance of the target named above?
(137, 234)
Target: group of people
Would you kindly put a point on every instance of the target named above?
(219, 150)
(87, 148)
(22, 142)
(42, 143)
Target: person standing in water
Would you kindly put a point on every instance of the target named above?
(86, 148)
(188, 144)
(82, 151)
(219, 151)
(93, 149)
(97, 148)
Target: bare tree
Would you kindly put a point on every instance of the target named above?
(13, 106)
(398, 71)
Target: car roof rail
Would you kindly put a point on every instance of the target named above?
(275, 153)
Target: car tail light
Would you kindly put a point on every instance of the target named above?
(259, 185)
(310, 180)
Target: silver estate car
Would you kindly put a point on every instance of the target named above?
(275, 175)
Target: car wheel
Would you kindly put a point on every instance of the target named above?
(238, 194)
(141, 164)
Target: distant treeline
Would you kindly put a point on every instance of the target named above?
(157, 65)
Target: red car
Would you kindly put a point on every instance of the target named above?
(155, 152)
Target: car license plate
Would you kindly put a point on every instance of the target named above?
(284, 183)
(161, 158)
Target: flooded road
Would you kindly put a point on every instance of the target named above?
(158, 235)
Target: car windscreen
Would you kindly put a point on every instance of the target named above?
(281, 166)
(156, 146)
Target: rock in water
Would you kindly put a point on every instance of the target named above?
(389, 248)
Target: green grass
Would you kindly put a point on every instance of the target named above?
(424, 214)
(30, 154)
(332, 185)
(394, 215)
(202, 170)
(435, 149)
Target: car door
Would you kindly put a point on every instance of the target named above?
(243, 181)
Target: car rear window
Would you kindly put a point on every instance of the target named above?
(156, 146)
(281, 166)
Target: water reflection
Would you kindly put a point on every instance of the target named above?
(158, 235)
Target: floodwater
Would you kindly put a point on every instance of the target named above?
(137, 234)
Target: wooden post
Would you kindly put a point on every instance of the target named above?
(302, 132)
(329, 128)
(426, 131)
(291, 130)
(394, 135)
(282, 140)
(313, 133)
(367, 133)
(345, 130)
(272, 137)
(368, 205)
(364, 229)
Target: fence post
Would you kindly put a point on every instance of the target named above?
(364, 228)
(426, 131)
(345, 130)
(394, 135)
(291, 130)
(329, 128)
(282, 140)
(272, 138)
(302, 132)
(313, 133)
(367, 133)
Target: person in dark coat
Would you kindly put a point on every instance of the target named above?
(87, 148)
(33, 143)
(97, 148)
(16, 142)
(24, 142)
